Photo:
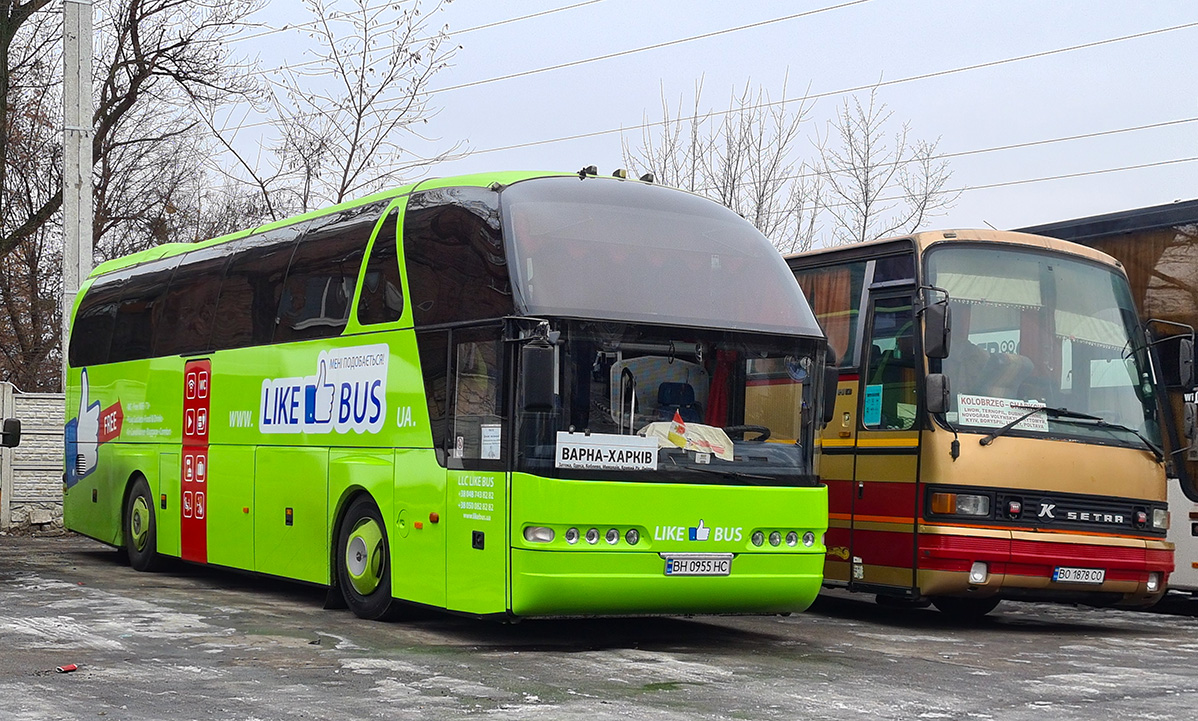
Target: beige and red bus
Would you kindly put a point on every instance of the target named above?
(1021, 460)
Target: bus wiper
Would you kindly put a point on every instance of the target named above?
(729, 473)
(1054, 412)
(1107, 425)
(1067, 415)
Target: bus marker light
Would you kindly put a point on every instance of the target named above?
(792, 539)
(632, 537)
(1014, 508)
(1160, 519)
(571, 536)
(944, 503)
(809, 539)
(245, 509)
(434, 517)
(613, 536)
(592, 536)
(758, 538)
(538, 534)
(419, 525)
(979, 572)
(1141, 519)
(163, 501)
(775, 538)
(1154, 582)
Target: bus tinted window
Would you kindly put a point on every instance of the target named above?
(433, 347)
(91, 332)
(381, 299)
(324, 270)
(835, 295)
(249, 296)
(453, 250)
(190, 304)
(140, 311)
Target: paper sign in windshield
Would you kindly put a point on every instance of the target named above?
(988, 412)
(605, 452)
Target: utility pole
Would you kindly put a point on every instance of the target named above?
(77, 159)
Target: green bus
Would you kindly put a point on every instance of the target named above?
(508, 395)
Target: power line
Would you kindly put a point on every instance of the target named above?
(452, 33)
(1024, 181)
(655, 46)
(844, 91)
(997, 148)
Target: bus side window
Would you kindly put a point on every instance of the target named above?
(889, 398)
(381, 297)
(454, 256)
(478, 414)
(91, 333)
(322, 275)
(249, 295)
(136, 319)
(189, 305)
(433, 347)
(835, 296)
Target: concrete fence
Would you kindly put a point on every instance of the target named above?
(31, 473)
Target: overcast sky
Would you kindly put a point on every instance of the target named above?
(1101, 89)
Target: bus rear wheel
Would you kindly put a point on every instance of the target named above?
(141, 530)
(965, 609)
(363, 562)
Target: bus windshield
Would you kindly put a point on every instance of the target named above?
(1036, 329)
(610, 249)
(705, 407)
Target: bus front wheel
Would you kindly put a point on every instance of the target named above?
(965, 609)
(363, 562)
(141, 531)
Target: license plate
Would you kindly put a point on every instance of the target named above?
(695, 564)
(1065, 574)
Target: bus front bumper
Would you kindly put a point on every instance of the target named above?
(1022, 565)
(552, 583)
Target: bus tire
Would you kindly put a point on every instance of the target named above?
(363, 561)
(140, 528)
(965, 609)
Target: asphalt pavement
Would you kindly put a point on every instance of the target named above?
(201, 643)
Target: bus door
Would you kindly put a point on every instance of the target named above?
(476, 554)
(884, 493)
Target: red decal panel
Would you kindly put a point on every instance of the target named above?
(197, 377)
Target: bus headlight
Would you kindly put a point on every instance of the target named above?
(592, 536)
(757, 538)
(792, 539)
(613, 536)
(809, 539)
(632, 537)
(571, 536)
(538, 534)
(1160, 519)
(775, 538)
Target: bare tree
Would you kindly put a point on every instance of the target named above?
(153, 57)
(344, 119)
(745, 158)
(878, 185)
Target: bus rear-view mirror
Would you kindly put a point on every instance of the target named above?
(10, 433)
(936, 392)
(831, 381)
(937, 330)
(1185, 364)
(536, 376)
(1190, 422)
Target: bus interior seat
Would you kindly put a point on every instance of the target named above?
(679, 398)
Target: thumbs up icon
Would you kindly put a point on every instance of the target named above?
(87, 432)
(318, 398)
(700, 533)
